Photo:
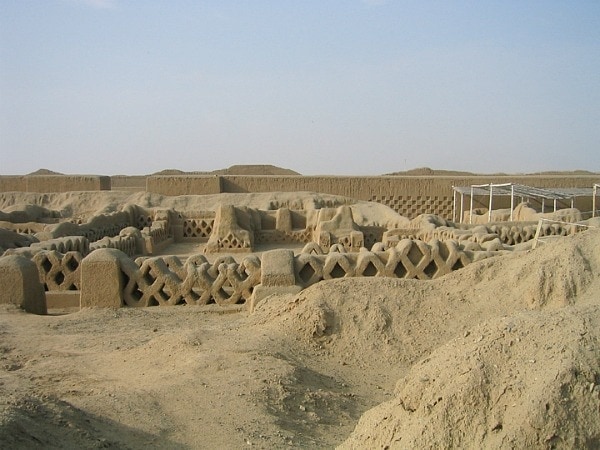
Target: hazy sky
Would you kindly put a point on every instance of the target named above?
(355, 87)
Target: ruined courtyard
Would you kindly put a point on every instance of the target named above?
(296, 319)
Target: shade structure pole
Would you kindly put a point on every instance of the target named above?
(490, 205)
(453, 204)
(471, 208)
(512, 201)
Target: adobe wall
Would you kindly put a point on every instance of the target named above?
(365, 188)
(131, 183)
(408, 195)
(12, 183)
(66, 183)
(184, 184)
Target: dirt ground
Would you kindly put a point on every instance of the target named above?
(501, 354)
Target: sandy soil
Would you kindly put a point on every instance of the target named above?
(501, 354)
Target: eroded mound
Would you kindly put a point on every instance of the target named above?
(526, 381)
(394, 320)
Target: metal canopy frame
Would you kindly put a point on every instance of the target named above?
(512, 189)
(595, 193)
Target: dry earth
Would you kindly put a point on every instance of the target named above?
(501, 354)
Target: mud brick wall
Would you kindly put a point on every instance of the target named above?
(408, 195)
(66, 183)
(131, 183)
(184, 184)
(12, 183)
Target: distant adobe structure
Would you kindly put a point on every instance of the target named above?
(44, 180)
(419, 191)
(410, 193)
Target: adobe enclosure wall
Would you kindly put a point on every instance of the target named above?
(131, 183)
(184, 184)
(66, 183)
(12, 183)
(408, 195)
(54, 183)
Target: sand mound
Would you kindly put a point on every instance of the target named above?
(240, 169)
(426, 171)
(526, 381)
(399, 320)
(255, 169)
(45, 172)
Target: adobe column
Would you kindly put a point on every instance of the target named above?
(277, 276)
(20, 284)
(102, 280)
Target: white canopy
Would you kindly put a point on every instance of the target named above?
(512, 189)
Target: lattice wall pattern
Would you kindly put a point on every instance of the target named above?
(409, 259)
(283, 237)
(198, 228)
(411, 206)
(168, 281)
(58, 271)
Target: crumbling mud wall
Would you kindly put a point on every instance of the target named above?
(102, 273)
(110, 278)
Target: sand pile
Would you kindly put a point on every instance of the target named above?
(530, 380)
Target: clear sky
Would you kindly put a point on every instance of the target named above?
(354, 87)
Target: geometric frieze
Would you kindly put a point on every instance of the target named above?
(167, 281)
(58, 271)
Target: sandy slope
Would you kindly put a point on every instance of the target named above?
(503, 353)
